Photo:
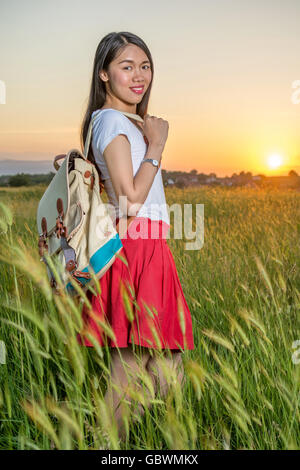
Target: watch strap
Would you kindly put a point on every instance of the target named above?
(151, 161)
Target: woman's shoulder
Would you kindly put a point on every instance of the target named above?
(107, 124)
(109, 115)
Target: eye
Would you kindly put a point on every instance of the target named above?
(125, 68)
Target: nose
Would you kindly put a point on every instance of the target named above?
(138, 75)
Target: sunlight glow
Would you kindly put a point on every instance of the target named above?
(275, 161)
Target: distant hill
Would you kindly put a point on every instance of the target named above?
(12, 167)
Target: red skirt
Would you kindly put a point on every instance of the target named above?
(142, 303)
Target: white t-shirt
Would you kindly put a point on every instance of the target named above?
(108, 124)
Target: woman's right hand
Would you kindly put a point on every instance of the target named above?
(156, 130)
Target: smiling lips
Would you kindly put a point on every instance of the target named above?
(137, 90)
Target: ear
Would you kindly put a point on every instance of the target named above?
(103, 76)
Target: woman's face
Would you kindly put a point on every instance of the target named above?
(131, 69)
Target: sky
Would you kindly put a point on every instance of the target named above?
(223, 77)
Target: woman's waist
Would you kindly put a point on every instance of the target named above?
(135, 227)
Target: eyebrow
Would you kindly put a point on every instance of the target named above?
(129, 60)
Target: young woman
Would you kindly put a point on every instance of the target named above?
(122, 80)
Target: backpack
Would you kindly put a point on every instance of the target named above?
(81, 234)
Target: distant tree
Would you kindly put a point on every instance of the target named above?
(193, 172)
(202, 177)
(293, 173)
(180, 183)
(248, 176)
(21, 179)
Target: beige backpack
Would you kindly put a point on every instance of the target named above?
(80, 229)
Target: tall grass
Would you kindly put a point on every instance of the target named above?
(242, 385)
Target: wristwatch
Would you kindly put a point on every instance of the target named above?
(154, 162)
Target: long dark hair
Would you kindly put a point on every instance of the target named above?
(109, 47)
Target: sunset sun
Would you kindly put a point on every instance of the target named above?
(275, 161)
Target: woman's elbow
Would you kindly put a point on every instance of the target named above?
(133, 208)
(129, 204)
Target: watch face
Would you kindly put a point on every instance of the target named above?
(155, 162)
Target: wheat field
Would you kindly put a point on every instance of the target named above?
(242, 378)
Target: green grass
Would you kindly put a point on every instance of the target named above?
(243, 290)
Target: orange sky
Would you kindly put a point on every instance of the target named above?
(223, 75)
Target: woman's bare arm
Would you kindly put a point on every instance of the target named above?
(117, 156)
